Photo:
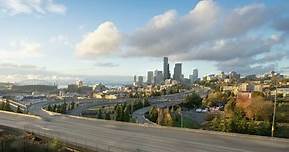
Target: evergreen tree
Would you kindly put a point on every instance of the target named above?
(119, 113)
(7, 106)
(126, 114)
(18, 110)
(153, 114)
(2, 106)
(72, 105)
(193, 101)
(99, 114)
(107, 116)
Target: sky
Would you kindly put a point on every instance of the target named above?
(64, 39)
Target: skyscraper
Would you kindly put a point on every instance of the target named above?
(178, 72)
(194, 76)
(158, 78)
(140, 80)
(134, 78)
(150, 77)
(196, 73)
(166, 67)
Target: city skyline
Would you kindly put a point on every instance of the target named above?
(43, 41)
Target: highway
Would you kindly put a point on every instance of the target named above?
(165, 101)
(105, 135)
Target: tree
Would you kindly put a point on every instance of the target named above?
(49, 108)
(193, 101)
(146, 102)
(230, 108)
(64, 107)
(259, 109)
(119, 113)
(153, 114)
(72, 105)
(99, 114)
(216, 98)
(54, 109)
(7, 106)
(2, 106)
(107, 116)
(18, 109)
(166, 118)
(126, 114)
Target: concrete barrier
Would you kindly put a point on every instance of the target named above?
(19, 114)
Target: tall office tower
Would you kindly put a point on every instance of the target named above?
(178, 72)
(196, 73)
(134, 78)
(166, 67)
(234, 75)
(158, 78)
(150, 77)
(194, 76)
(140, 80)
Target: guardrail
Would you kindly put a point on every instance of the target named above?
(81, 142)
(15, 104)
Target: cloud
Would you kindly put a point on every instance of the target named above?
(226, 49)
(106, 64)
(163, 20)
(178, 35)
(282, 24)
(211, 33)
(106, 39)
(21, 50)
(15, 7)
(205, 23)
(55, 8)
(11, 72)
(244, 19)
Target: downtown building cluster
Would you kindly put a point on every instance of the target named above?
(158, 77)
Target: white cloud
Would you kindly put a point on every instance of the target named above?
(21, 50)
(106, 39)
(163, 20)
(14, 7)
(11, 72)
(179, 36)
(210, 33)
(55, 8)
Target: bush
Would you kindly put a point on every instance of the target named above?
(192, 101)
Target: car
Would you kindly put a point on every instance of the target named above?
(205, 110)
(198, 110)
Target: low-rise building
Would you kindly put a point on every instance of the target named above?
(281, 91)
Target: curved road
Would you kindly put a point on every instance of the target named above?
(103, 135)
(170, 100)
(115, 136)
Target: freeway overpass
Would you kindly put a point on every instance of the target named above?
(105, 135)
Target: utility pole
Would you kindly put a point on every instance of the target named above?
(274, 111)
(182, 121)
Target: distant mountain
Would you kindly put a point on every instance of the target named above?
(110, 81)
(34, 82)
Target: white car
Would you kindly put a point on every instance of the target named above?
(198, 110)
(205, 110)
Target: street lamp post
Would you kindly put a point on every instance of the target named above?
(182, 121)
(274, 112)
